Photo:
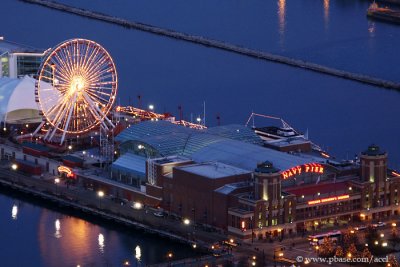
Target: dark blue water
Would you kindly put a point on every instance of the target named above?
(37, 235)
(342, 116)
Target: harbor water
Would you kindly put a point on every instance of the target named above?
(342, 116)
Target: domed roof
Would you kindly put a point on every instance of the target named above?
(17, 100)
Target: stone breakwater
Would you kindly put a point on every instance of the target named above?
(219, 45)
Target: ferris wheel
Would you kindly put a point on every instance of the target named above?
(76, 88)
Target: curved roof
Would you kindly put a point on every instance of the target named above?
(233, 144)
(247, 156)
(17, 100)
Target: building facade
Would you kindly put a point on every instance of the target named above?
(18, 60)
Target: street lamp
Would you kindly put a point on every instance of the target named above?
(100, 194)
(186, 221)
(170, 255)
(56, 182)
(14, 166)
(151, 107)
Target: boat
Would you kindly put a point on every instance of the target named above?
(383, 13)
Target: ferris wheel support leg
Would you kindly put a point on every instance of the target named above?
(38, 128)
(47, 134)
(69, 118)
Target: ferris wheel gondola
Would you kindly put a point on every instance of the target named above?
(76, 88)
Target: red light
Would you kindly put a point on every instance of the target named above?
(312, 167)
(68, 171)
(329, 199)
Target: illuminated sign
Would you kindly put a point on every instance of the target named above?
(66, 170)
(306, 168)
(328, 199)
(395, 174)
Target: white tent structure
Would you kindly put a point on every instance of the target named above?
(17, 101)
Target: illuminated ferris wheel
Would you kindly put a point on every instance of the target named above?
(76, 88)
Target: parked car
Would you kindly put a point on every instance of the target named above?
(159, 214)
(360, 228)
(378, 224)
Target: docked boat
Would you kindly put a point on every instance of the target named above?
(383, 13)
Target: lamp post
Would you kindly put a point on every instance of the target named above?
(169, 255)
(56, 182)
(100, 194)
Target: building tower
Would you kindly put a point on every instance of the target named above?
(374, 170)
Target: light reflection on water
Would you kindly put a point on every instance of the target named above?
(138, 253)
(14, 212)
(101, 243)
(282, 21)
(54, 239)
(57, 225)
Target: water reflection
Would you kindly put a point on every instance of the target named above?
(138, 253)
(101, 242)
(371, 28)
(14, 212)
(282, 20)
(326, 12)
(57, 225)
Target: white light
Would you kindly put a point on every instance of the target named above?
(14, 212)
(4, 129)
(198, 119)
(138, 253)
(151, 107)
(14, 167)
(137, 205)
(186, 221)
(100, 194)
(84, 152)
(384, 244)
(69, 147)
(101, 242)
(57, 180)
(57, 225)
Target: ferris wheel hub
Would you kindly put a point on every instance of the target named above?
(78, 84)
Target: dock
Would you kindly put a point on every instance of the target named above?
(384, 14)
(196, 39)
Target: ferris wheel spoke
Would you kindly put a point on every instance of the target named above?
(96, 66)
(64, 68)
(97, 98)
(89, 62)
(97, 110)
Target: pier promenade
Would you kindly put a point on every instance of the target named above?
(220, 45)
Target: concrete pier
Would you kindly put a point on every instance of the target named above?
(220, 45)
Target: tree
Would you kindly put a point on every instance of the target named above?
(393, 261)
(371, 235)
(327, 247)
(349, 237)
(352, 251)
(339, 252)
(366, 253)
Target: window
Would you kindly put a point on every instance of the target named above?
(4, 66)
(28, 65)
